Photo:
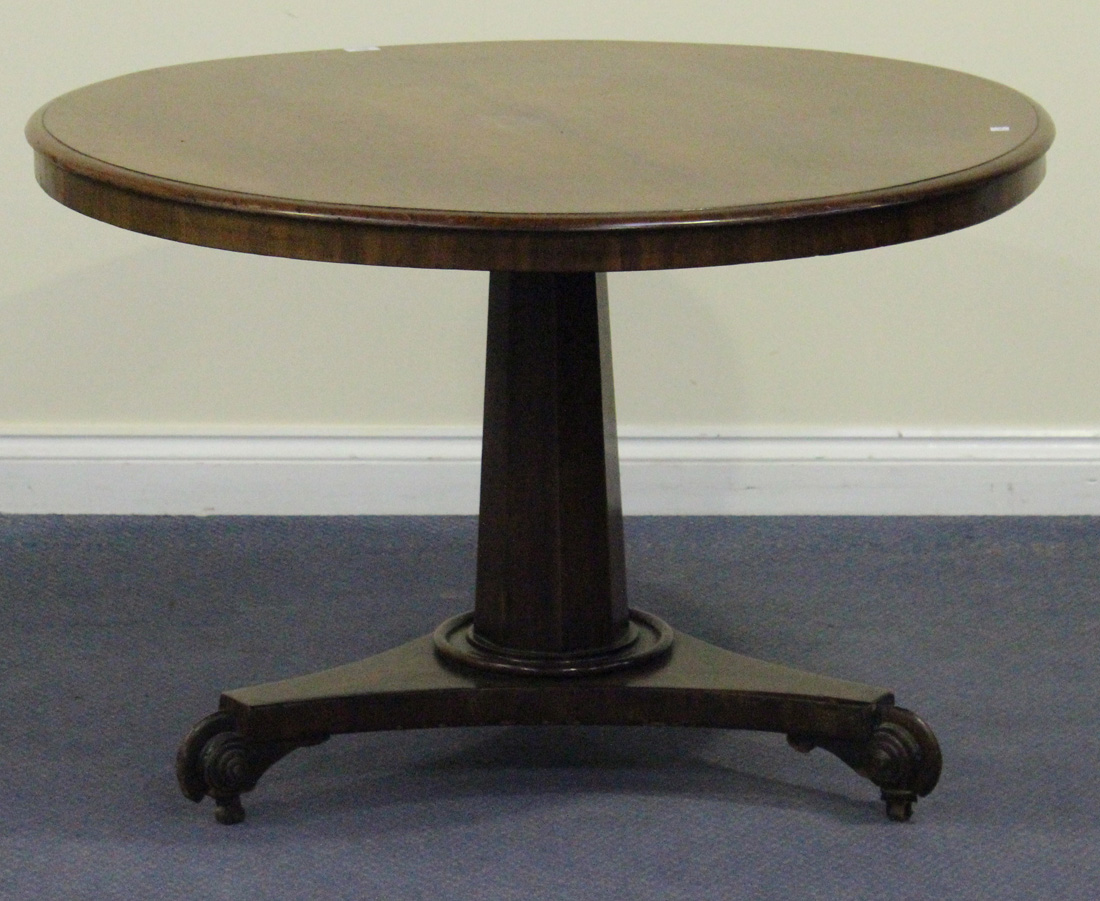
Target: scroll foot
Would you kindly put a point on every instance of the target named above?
(902, 758)
(216, 761)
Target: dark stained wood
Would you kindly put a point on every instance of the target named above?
(552, 156)
(551, 570)
(699, 685)
(547, 163)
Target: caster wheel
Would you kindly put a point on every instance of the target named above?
(900, 810)
(229, 813)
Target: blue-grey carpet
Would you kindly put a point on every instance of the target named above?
(117, 633)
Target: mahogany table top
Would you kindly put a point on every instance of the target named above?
(543, 155)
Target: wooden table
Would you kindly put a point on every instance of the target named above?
(547, 164)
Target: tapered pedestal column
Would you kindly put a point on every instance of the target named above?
(551, 581)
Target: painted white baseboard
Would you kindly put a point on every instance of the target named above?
(738, 475)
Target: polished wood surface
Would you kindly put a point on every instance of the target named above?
(547, 163)
(554, 156)
(550, 412)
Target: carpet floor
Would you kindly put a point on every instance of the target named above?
(117, 633)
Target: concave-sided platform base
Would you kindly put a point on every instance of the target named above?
(696, 684)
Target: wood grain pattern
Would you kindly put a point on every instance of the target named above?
(553, 156)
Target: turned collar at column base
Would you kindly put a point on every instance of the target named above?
(649, 639)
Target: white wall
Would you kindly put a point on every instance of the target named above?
(987, 332)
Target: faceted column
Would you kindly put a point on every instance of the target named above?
(550, 569)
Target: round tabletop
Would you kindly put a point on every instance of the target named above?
(543, 155)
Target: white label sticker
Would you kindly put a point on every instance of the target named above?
(1000, 128)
